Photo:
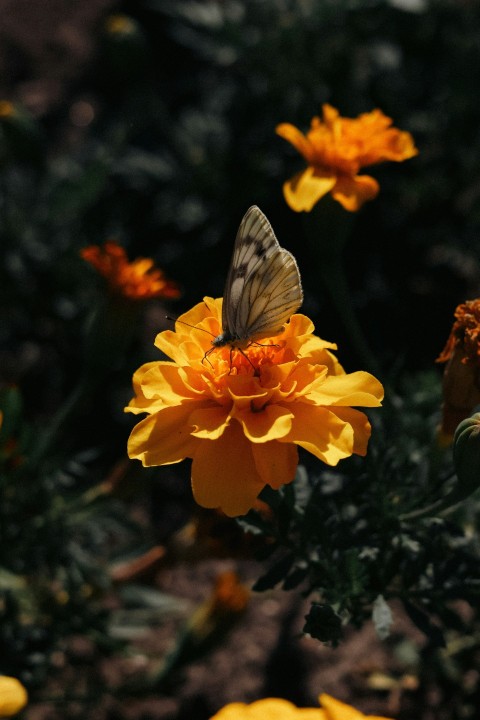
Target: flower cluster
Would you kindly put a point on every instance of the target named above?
(136, 280)
(332, 709)
(240, 414)
(335, 149)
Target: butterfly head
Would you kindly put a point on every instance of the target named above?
(228, 338)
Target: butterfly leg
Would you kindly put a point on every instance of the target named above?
(205, 357)
(246, 358)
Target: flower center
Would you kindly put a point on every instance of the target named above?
(246, 361)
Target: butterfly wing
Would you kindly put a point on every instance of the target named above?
(263, 287)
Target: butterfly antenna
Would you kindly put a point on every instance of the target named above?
(172, 319)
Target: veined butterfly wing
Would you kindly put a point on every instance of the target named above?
(263, 287)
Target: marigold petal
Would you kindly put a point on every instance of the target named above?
(321, 432)
(396, 145)
(276, 462)
(357, 388)
(245, 389)
(268, 423)
(361, 427)
(194, 332)
(268, 709)
(160, 384)
(169, 342)
(164, 437)
(298, 326)
(353, 192)
(140, 403)
(306, 188)
(337, 710)
(294, 136)
(209, 423)
(224, 474)
(317, 355)
(330, 114)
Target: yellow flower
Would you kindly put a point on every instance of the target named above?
(335, 149)
(278, 709)
(461, 379)
(240, 414)
(137, 280)
(13, 696)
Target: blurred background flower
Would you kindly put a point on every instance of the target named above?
(13, 696)
(336, 148)
(136, 280)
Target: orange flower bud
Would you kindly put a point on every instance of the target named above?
(461, 379)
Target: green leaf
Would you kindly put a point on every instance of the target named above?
(275, 574)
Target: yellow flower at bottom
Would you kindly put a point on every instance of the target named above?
(13, 696)
(268, 709)
(278, 709)
(240, 414)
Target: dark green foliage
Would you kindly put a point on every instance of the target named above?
(350, 535)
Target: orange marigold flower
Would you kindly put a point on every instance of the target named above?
(335, 149)
(461, 379)
(136, 280)
(465, 334)
(240, 414)
(279, 709)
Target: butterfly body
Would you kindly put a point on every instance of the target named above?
(263, 287)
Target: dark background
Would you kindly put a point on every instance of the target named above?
(161, 135)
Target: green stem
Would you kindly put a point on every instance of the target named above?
(333, 277)
(50, 436)
(109, 334)
(328, 227)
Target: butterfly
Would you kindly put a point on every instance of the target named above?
(263, 287)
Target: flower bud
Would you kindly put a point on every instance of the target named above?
(466, 456)
(461, 379)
